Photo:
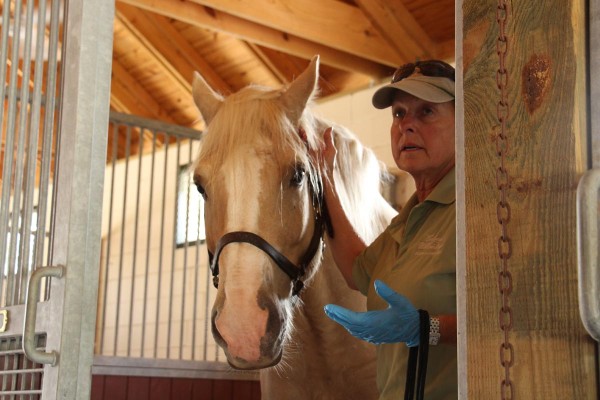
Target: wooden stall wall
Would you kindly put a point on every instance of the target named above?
(112, 387)
(552, 357)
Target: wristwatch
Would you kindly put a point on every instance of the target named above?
(434, 330)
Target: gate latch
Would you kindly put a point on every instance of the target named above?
(3, 320)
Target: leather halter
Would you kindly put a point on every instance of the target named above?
(296, 273)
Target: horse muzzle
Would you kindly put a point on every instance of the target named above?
(252, 338)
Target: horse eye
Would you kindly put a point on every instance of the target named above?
(201, 191)
(299, 175)
(199, 186)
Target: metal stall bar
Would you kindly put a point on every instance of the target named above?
(23, 216)
(43, 250)
(135, 240)
(122, 241)
(31, 168)
(24, 235)
(148, 241)
(7, 212)
(103, 294)
(28, 97)
(162, 242)
(172, 271)
(199, 223)
(185, 254)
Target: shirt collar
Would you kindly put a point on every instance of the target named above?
(443, 193)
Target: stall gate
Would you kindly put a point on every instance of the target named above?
(55, 58)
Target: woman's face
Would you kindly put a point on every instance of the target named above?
(422, 136)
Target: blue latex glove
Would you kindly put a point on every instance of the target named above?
(398, 323)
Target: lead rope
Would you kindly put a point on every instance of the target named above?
(417, 361)
(505, 316)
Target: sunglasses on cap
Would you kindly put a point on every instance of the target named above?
(426, 68)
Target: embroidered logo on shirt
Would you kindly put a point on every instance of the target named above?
(431, 244)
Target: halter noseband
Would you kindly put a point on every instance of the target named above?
(294, 272)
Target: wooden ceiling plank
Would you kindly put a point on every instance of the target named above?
(398, 26)
(170, 71)
(174, 47)
(199, 16)
(134, 97)
(270, 65)
(180, 87)
(116, 101)
(122, 99)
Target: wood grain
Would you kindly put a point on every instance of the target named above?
(554, 357)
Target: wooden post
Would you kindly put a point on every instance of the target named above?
(554, 358)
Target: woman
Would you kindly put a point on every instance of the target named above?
(412, 264)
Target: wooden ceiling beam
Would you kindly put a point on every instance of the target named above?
(200, 16)
(311, 20)
(397, 25)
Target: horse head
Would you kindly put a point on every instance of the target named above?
(262, 211)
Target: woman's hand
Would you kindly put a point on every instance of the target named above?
(325, 156)
(397, 323)
(343, 241)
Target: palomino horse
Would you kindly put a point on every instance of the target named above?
(264, 228)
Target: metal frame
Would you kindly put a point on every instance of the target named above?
(588, 199)
(87, 58)
(594, 83)
(67, 125)
(168, 368)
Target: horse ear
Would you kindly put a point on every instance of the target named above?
(207, 100)
(301, 90)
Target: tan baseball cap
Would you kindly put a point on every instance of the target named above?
(436, 89)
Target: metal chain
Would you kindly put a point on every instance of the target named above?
(503, 208)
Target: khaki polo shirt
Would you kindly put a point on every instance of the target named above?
(416, 256)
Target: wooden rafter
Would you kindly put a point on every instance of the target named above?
(311, 20)
(399, 28)
(171, 72)
(200, 16)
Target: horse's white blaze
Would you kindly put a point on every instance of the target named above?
(242, 322)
